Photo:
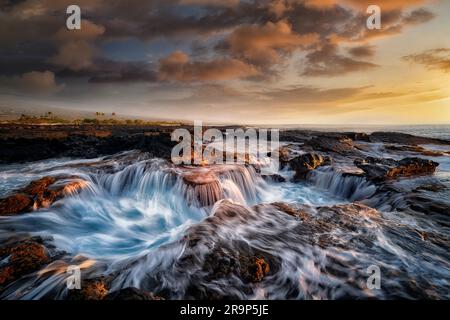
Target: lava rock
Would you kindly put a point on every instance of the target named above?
(305, 163)
(21, 259)
(38, 194)
(379, 169)
(403, 138)
(340, 145)
(274, 178)
(92, 289)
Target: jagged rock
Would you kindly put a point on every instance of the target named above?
(92, 289)
(305, 163)
(283, 207)
(16, 204)
(403, 138)
(38, 194)
(31, 143)
(132, 294)
(274, 178)
(381, 169)
(431, 187)
(22, 259)
(355, 136)
(240, 261)
(415, 149)
(284, 154)
(340, 145)
(204, 187)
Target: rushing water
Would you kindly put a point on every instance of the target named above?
(133, 211)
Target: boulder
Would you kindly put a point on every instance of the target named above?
(305, 163)
(21, 259)
(379, 169)
(340, 145)
(38, 194)
(415, 149)
(273, 178)
(92, 289)
(405, 139)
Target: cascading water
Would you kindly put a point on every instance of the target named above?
(135, 218)
(341, 184)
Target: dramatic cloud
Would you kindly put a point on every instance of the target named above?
(436, 59)
(265, 45)
(328, 62)
(178, 67)
(245, 54)
(76, 49)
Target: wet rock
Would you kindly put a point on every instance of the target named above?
(204, 187)
(38, 194)
(341, 145)
(284, 154)
(241, 262)
(254, 269)
(274, 178)
(305, 163)
(431, 187)
(132, 294)
(21, 259)
(16, 204)
(405, 139)
(283, 207)
(379, 169)
(415, 149)
(92, 289)
(355, 136)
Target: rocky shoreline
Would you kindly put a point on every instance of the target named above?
(383, 161)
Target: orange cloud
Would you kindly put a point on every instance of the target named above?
(178, 67)
(363, 4)
(264, 45)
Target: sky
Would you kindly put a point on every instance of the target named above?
(229, 61)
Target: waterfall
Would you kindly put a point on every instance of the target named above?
(342, 184)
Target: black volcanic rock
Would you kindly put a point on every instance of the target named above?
(403, 138)
(305, 163)
(341, 145)
(86, 145)
(379, 169)
(21, 259)
(38, 194)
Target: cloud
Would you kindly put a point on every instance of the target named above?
(328, 62)
(249, 39)
(108, 71)
(309, 94)
(89, 31)
(74, 55)
(435, 59)
(363, 4)
(362, 51)
(265, 45)
(418, 16)
(33, 82)
(178, 67)
(76, 47)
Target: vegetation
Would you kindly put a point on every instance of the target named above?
(50, 119)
